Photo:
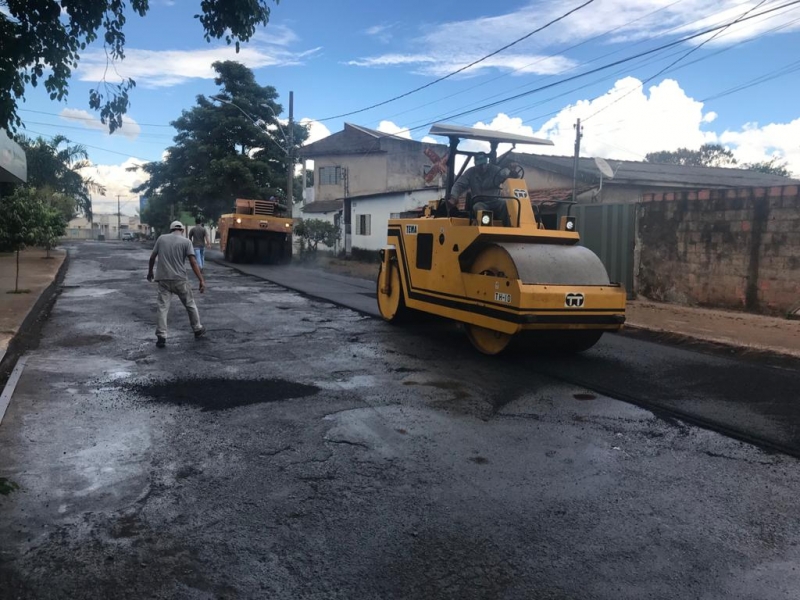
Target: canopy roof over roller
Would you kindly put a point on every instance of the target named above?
(486, 135)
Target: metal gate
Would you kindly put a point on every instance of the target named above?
(608, 231)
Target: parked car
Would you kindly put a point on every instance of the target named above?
(128, 236)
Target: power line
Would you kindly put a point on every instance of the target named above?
(596, 70)
(95, 147)
(675, 62)
(653, 51)
(782, 71)
(89, 129)
(558, 52)
(42, 112)
(606, 66)
(464, 68)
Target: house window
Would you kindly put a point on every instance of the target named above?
(394, 215)
(363, 225)
(330, 175)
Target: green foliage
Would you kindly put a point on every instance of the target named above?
(52, 226)
(46, 38)
(708, 155)
(21, 216)
(220, 153)
(159, 213)
(7, 486)
(774, 166)
(55, 165)
(716, 155)
(314, 231)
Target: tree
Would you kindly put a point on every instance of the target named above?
(226, 150)
(774, 166)
(56, 165)
(21, 217)
(159, 213)
(52, 226)
(314, 231)
(708, 155)
(43, 39)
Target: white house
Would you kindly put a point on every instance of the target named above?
(362, 177)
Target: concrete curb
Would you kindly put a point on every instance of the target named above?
(11, 385)
(711, 344)
(38, 312)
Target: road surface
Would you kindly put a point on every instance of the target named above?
(305, 450)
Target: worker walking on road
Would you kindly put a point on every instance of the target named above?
(199, 238)
(172, 249)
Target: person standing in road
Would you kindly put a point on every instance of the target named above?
(172, 249)
(199, 237)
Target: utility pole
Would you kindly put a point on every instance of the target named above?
(578, 136)
(119, 232)
(289, 151)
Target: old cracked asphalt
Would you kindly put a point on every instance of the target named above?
(370, 462)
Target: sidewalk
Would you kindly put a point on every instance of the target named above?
(36, 273)
(742, 330)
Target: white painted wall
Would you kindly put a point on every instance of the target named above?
(379, 208)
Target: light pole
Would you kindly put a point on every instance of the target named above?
(289, 144)
(289, 141)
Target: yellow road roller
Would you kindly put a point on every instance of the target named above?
(505, 281)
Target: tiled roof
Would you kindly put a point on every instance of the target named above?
(628, 172)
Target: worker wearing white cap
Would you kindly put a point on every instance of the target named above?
(172, 249)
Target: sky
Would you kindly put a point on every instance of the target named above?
(737, 86)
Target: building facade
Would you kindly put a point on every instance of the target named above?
(363, 176)
(103, 226)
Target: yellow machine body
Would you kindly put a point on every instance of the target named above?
(499, 281)
(256, 232)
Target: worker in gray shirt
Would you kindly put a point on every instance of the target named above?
(172, 249)
(199, 238)
(483, 182)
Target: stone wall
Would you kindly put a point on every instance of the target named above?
(736, 248)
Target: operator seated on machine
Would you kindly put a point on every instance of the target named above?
(483, 181)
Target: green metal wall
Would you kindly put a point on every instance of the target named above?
(608, 230)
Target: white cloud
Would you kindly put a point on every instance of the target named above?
(628, 122)
(165, 68)
(631, 124)
(130, 128)
(438, 65)
(625, 20)
(391, 128)
(383, 33)
(755, 144)
(118, 181)
(316, 130)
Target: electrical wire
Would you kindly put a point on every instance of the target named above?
(446, 116)
(464, 68)
(675, 62)
(603, 67)
(93, 147)
(559, 52)
(42, 112)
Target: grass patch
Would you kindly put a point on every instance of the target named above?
(18, 292)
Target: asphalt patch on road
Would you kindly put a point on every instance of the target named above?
(78, 341)
(212, 394)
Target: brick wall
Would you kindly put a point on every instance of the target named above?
(737, 248)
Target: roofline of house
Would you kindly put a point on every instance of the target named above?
(388, 192)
